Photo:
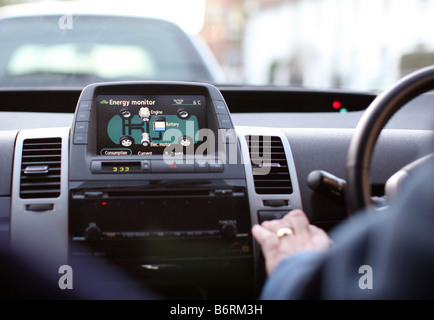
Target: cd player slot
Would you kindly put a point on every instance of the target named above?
(158, 193)
(170, 193)
(156, 166)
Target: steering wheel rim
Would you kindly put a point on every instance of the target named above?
(374, 119)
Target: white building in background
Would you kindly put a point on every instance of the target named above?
(355, 44)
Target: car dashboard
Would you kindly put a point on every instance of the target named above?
(164, 180)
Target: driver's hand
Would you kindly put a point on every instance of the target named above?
(299, 235)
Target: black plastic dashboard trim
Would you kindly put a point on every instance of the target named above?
(238, 98)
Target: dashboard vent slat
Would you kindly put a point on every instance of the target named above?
(269, 165)
(40, 168)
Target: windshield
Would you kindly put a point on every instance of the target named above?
(345, 44)
(98, 48)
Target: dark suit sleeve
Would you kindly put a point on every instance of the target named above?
(292, 276)
(386, 256)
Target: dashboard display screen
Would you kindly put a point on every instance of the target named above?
(149, 124)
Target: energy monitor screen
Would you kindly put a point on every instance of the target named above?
(149, 124)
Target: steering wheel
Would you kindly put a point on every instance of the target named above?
(358, 194)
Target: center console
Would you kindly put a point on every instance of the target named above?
(157, 186)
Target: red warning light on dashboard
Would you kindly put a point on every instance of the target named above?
(104, 203)
(337, 104)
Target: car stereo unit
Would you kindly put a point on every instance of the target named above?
(157, 186)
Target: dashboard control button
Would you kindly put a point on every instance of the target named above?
(81, 126)
(110, 235)
(201, 167)
(160, 166)
(80, 138)
(85, 105)
(92, 232)
(216, 167)
(220, 107)
(271, 215)
(146, 166)
(93, 194)
(229, 230)
(275, 203)
(224, 121)
(159, 234)
(223, 192)
(39, 207)
(211, 233)
(176, 234)
(83, 115)
(194, 233)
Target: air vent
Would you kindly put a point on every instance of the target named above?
(40, 168)
(270, 169)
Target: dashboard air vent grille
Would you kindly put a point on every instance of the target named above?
(270, 168)
(40, 168)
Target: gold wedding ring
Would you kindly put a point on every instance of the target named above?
(284, 232)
